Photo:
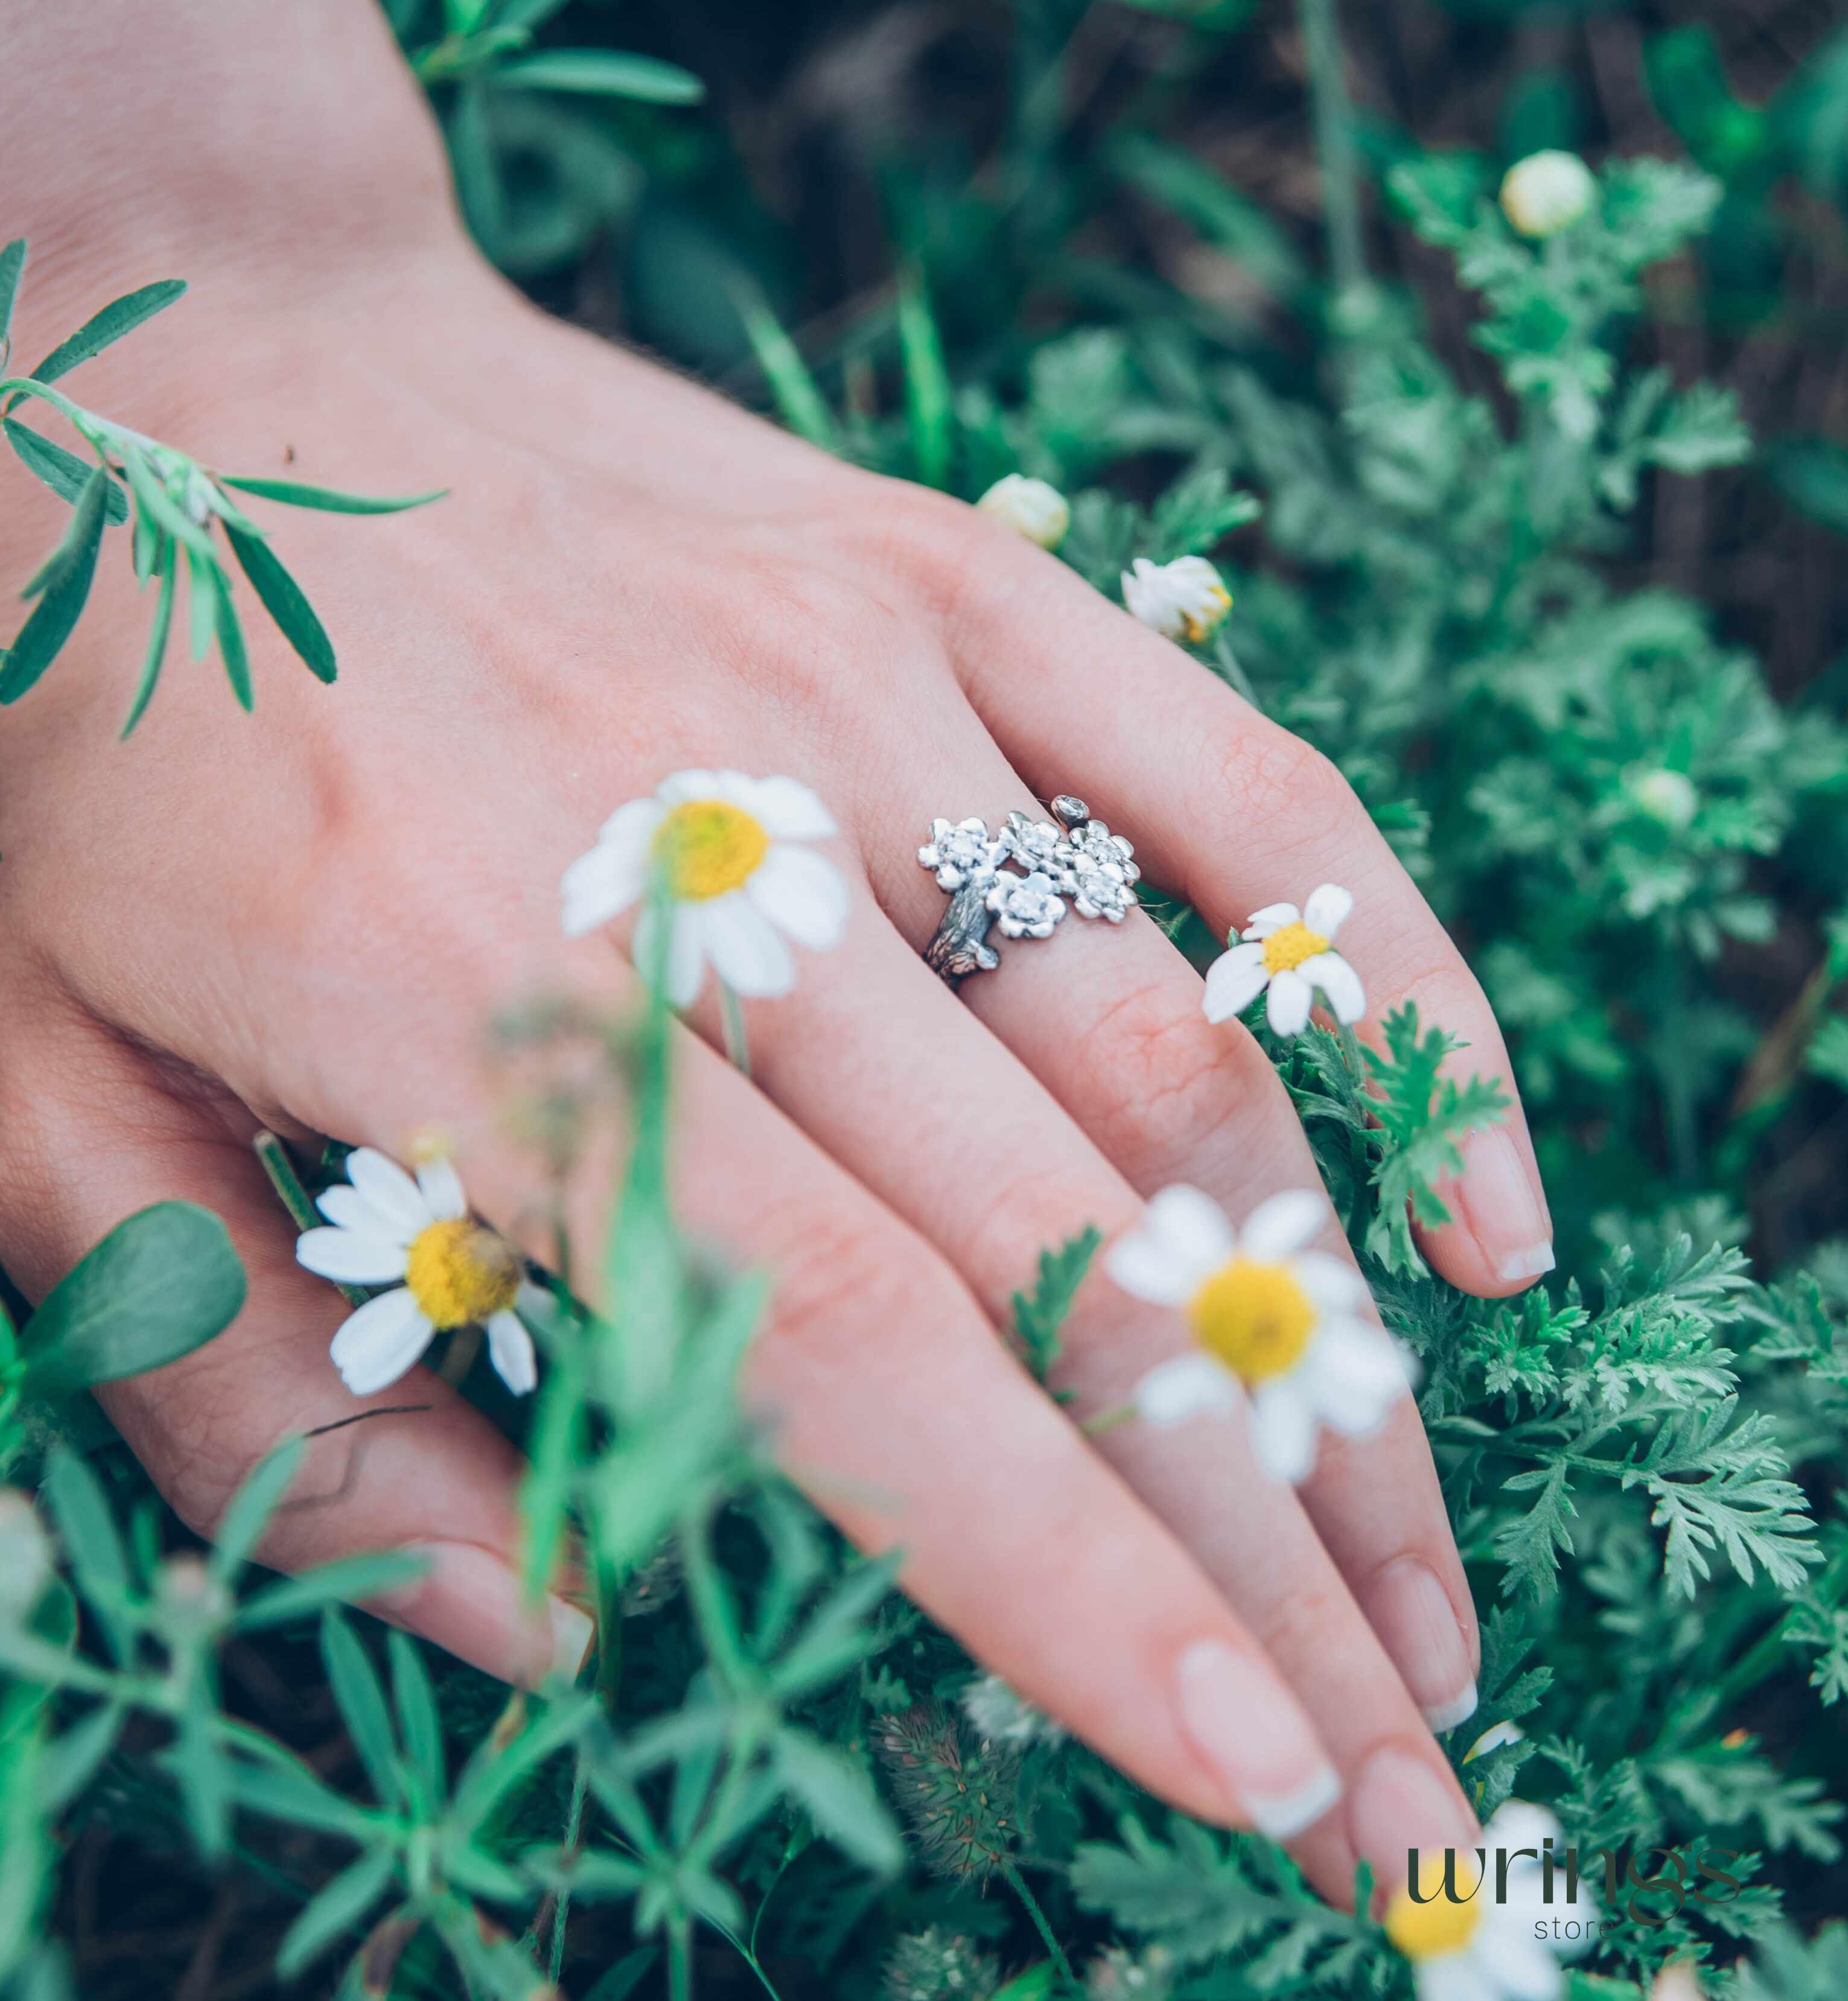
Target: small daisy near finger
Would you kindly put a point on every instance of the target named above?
(445, 1269)
(740, 879)
(1272, 1320)
(1288, 954)
(1186, 599)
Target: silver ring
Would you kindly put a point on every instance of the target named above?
(1022, 879)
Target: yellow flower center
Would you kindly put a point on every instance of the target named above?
(460, 1273)
(1200, 625)
(1256, 1318)
(710, 847)
(1433, 1930)
(1285, 950)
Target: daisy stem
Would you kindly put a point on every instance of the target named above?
(736, 1048)
(1107, 1420)
(295, 1198)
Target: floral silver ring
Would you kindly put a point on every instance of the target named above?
(1021, 880)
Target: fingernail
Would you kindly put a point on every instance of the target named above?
(1257, 1740)
(1411, 1612)
(1400, 1803)
(1501, 1208)
(475, 1603)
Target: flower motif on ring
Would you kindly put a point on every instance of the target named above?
(1025, 905)
(962, 851)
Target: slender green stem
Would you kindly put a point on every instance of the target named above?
(574, 1829)
(1018, 1883)
(736, 1047)
(1333, 120)
(296, 1198)
(680, 1961)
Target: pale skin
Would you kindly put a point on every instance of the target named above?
(304, 918)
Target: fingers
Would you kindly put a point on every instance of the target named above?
(435, 1476)
(1236, 814)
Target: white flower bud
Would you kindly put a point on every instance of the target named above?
(1030, 507)
(1546, 193)
(1667, 796)
(1676, 1982)
(25, 1556)
(188, 1593)
(1182, 600)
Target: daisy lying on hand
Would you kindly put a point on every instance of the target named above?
(446, 1271)
(737, 877)
(1270, 1317)
(1287, 951)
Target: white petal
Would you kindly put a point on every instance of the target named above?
(788, 811)
(378, 1341)
(350, 1258)
(1331, 1283)
(1327, 909)
(511, 1350)
(1141, 1263)
(694, 784)
(686, 951)
(1287, 1007)
(1522, 1969)
(1283, 1224)
(1192, 1228)
(389, 1190)
(1283, 1429)
(1521, 1824)
(1234, 981)
(344, 1204)
(631, 826)
(1272, 918)
(1355, 1376)
(599, 885)
(1174, 1391)
(1339, 983)
(442, 1189)
(1453, 1978)
(801, 893)
(744, 946)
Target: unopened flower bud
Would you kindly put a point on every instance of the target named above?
(1665, 795)
(1546, 193)
(1030, 507)
(24, 1555)
(188, 1593)
(1186, 599)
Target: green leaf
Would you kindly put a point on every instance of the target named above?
(799, 401)
(231, 637)
(158, 634)
(65, 581)
(625, 1977)
(63, 471)
(356, 1685)
(69, 1763)
(282, 600)
(292, 494)
(347, 1579)
(603, 73)
(840, 1800)
(12, 263)
(1039, 1315)
(335, 1908)
(244, 1521)
(928, 398)
(1812, 473)
(419, 1724)
(87, 1528)
(161, 1283)
(104, 328)
(285, 1790)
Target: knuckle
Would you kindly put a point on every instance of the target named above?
(1263, 776)
(845, 1274)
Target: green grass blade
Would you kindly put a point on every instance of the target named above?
(799, 399)
(282, 600)
(55, 617)
(12, 262)
(62, 471)
(104, 328)
(603, 73)
(928, 399)
(292, 494)
(69, 545)
(157, 644)
(231, 638)
(202, 603)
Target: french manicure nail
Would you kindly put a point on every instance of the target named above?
(1257, 1741)
(1496, 1194)
(1409, 1609)
(572, 1632)
(1400, 1802)
(473, 1603)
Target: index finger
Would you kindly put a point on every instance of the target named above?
(1235, 814)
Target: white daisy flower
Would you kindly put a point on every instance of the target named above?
(446, 1270)
(739, 879)
(1272, 1320)
(1030, 507)
(1547, 192)
(1182, 600)
(1287, 951)
(1480, 1945)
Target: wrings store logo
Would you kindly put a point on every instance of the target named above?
(1600, 1887)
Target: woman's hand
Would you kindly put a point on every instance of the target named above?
(306, 918)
